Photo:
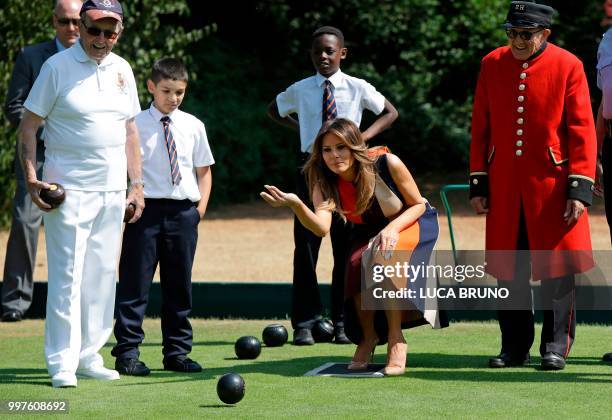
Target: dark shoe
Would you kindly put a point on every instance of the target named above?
(12, 316)
(302, 337)
(506, 360)
(552, 361)
(132, 367)
(340, 336)
(182, 364)
(607, 357)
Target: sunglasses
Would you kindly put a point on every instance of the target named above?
(95, 31)
(67, 21)
(525, 35)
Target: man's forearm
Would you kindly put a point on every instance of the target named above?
(26, 144)
(132, 151)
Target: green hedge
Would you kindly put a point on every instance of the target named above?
(423, 55)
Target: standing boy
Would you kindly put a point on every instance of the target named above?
(176, 161)
(326, 95)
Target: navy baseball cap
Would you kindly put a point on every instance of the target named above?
(526, 14)
(100, 9)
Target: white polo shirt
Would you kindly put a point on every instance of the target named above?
(86, 106)
(191, 147)
(604, 72)
(305, 98)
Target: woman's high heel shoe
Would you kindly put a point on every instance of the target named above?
(396, 359)
(361, 364)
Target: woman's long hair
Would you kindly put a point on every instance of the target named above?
(317, 172)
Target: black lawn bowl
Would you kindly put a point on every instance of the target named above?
(275, 335)
(323, 331)
(54, 195)
(247, 347)
(230, 388)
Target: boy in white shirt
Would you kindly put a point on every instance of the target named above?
(328, 94)
(176, 160)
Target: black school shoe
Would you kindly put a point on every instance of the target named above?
(507, 360)
(12, 316)
(131, 367)
(302, 337)
(552, 361)
(182, 364)
(340, 336)
(607, 357)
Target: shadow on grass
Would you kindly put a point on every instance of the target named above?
(159, 344)
(425, 366)
(25, 376)
(590, 361)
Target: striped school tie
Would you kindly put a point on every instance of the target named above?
(329, 102)
(175, 173)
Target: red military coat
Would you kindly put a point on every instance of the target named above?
(533, 141)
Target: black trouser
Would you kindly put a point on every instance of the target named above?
(557, 298)
(167, 233)
(18, 279)
(606, 161)
(307, 305)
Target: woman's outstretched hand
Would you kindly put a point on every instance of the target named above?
(277, 198)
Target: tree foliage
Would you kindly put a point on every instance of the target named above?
(423, 55)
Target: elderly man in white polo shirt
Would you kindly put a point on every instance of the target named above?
(88, 99)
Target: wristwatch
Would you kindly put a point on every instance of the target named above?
(137, 181)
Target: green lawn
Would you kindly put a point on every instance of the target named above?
(446, 377)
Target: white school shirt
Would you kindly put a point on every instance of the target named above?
(85, 106)
(604, 72)
(192, 149)
(305, 98)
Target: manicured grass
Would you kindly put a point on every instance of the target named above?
(447, 377)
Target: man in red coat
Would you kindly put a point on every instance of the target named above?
(532, 168)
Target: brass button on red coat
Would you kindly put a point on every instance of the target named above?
(519, 152)
(520, 121)
(521, 87)
(519, 132)
(521, 98)
(523, 75)
(520, 109)
(519, 143)
(525, 65)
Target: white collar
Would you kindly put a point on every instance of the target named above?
(336, 79)
(157, 114)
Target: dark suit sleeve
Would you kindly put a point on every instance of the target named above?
(19, 88)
